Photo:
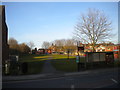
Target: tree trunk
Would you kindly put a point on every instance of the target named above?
(93, 48)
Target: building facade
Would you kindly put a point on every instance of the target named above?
(5, 47)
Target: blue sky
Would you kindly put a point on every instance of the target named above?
(39, 21)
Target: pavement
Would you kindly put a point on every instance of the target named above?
(48, 68)
(51, 78)
(54, 75)
(49, 71)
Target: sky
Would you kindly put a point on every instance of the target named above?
(60, 0)
(119, 25)
(48, 21)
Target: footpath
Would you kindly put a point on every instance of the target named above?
(49, 74)
(48, 68)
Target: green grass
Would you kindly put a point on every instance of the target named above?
(61, 57)
(117, 63)
(34, 63)
(33, 58)
(34, 67)
(99, 65)
(62, 63)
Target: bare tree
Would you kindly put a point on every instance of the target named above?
(70, 45)
(17, 49)
(64, 44)
(13, 43)
(13, 46)
(70, 42)
(31, 45)
(45, 45)
(24, 48)
(59, 42)
(93, 27)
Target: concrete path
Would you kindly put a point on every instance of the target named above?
(48, 68)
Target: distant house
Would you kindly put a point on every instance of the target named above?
(100, 48)
(44, 51)
(109, 48)
(53, 48)
(104, 48)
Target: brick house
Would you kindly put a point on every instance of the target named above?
(44, 51)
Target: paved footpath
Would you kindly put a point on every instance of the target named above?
(93, 79)
(48, 68)
(47, 71)
(53, 75)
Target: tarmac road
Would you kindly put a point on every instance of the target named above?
(94, 79)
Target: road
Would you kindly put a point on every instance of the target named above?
(94, 79)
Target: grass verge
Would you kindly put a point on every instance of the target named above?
(34, 64)
(62, 63)
(32, 67)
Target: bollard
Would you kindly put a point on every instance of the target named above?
(24, 67)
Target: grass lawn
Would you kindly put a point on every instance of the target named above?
(117, 63)
(62, 63)
(34, 63)
(34, 58)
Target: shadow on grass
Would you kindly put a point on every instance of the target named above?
(26, 69)
(99, 65)
(66, 65)
(70, 65)
(60, 62)
(33, 67)
(34, 58)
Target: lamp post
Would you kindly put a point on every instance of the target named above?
(78, 56)
(77, 48)
(68, 53)
(80, 48)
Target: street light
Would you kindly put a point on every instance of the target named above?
(68, 53)
(78, 44)
(78, 57)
